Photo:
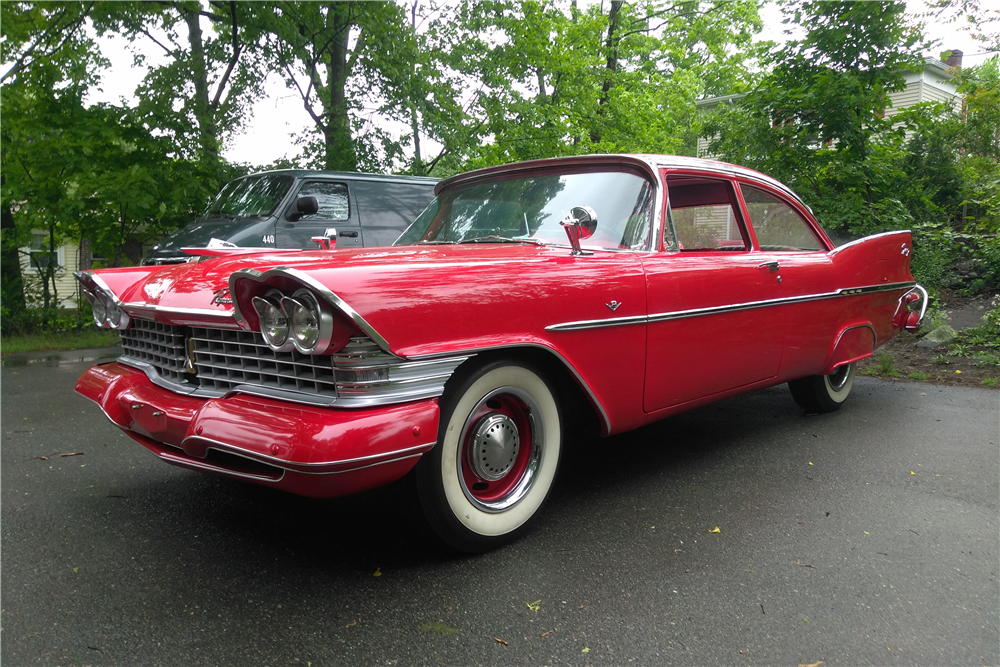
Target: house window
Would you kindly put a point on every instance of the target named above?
(39, 257)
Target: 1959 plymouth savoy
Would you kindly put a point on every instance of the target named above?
(603, 290)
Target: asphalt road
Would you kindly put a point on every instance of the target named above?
(866, 537)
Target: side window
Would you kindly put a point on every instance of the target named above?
(778, 226)
(332, 199)
(704, 216)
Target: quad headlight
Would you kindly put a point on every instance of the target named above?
(294, 322)
(273, 322)
(106, 310)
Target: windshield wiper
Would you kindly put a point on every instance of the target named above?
(493, 238)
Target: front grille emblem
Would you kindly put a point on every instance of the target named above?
(189, 359)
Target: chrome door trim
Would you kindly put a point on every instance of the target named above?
(729, 308)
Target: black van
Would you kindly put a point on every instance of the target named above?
(286, 208)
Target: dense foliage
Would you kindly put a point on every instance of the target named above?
(436, 87)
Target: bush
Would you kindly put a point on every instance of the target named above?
(29, 321)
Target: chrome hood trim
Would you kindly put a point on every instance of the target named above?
(308, 281)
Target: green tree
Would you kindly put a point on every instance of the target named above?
(52, 60)
(345, 60)
(819, 119)
(557, 79)
(212, 69)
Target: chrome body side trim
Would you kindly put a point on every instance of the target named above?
(557, 355)
(197, 464)
(715, 310)
(199, 313)
(306, 280)
(319, 468)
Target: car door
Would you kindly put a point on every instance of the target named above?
(709, 328)
(793, 245)
(337, 210)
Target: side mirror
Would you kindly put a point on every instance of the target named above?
(306, 205)
(580, 223)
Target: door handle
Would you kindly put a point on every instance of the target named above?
(350, 235)
(771, 266)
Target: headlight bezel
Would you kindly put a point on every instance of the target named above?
(304, 302)
(106, 309)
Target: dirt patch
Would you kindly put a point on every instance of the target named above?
(904, 359)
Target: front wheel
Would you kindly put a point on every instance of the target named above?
(824, 393)
(496, 458)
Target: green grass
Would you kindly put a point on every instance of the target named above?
(64, 340)
(920, 376)
(990, 382)
(885, 364)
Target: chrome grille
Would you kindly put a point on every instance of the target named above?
(226, 359)
(160, 346)
(359, 375)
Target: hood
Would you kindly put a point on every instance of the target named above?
(413, 300)
(198, 234)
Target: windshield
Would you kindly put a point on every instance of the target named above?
(529, 209)
(253, 196)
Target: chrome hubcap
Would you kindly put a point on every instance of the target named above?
(838, 378)
(495, 444)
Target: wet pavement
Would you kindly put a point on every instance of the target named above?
(868, 536)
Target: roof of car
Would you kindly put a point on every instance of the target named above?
(349, 175)
(648, 162)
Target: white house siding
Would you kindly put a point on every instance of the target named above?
(69, 261)
(934, 84)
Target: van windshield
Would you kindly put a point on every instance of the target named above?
(253, 196)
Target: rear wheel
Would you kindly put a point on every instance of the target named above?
(498, 450)
(824, 393)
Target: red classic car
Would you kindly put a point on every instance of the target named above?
(527, 298)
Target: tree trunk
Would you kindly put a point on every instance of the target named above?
(11, 282)
(340, 153)
(207, 132)
(611, 66)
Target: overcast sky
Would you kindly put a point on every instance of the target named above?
(267, 136)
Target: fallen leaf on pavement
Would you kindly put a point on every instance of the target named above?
(715, 530)
(377, 572)
(534, 606)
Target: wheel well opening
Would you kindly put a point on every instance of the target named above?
(581, 416)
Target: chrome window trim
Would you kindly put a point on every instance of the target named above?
(315, 468)
(306, 280)
(715, 310)
(640, 162)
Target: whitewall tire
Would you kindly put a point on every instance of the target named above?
(498, 450)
